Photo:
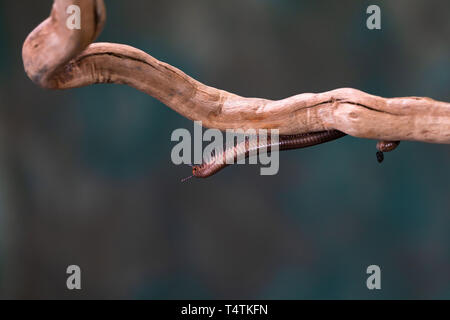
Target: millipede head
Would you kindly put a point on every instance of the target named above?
(201, 171)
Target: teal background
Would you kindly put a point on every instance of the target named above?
(86, 176)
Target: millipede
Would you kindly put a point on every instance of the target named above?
(385, 146)
(242, 150)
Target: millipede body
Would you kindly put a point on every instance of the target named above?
(255, 145)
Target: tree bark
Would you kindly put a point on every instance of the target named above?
(56, 57)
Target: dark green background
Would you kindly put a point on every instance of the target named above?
(86, 176)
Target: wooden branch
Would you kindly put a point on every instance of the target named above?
(59, 58)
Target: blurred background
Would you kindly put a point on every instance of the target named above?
(86, 176)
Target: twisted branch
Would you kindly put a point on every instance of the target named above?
(56, 57)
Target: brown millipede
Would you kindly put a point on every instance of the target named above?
(243, 149)
(385, 146)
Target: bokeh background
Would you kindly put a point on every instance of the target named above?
(86, 176)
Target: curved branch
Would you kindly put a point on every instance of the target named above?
(58, 58)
